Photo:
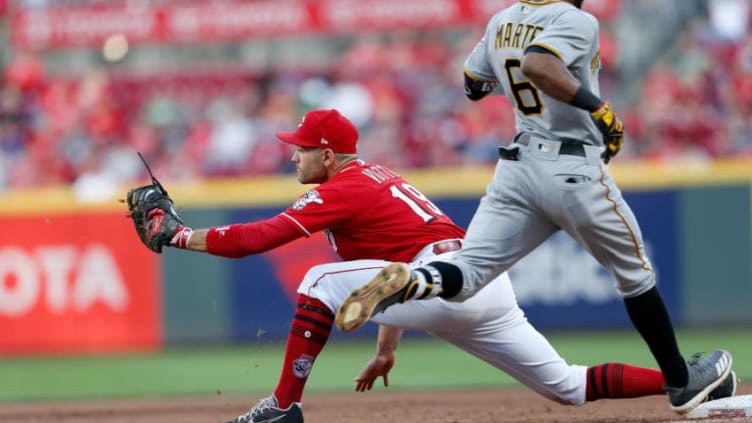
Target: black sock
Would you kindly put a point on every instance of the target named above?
(451, 278)
(649, 316)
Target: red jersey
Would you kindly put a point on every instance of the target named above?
(369, 212)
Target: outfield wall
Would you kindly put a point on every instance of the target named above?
(75, 277)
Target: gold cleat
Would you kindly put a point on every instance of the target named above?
(388, 287)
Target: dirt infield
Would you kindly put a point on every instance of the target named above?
(391, 406)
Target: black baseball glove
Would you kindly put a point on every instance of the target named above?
(153, 215)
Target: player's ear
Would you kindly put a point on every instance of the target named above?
(327, 156)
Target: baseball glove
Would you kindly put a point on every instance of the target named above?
(153, 214)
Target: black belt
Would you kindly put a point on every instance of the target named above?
(566, 147)
(572, 149)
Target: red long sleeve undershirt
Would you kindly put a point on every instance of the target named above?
(243, 239)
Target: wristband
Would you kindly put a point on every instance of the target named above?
(181, 237)
(477, 89)
(585, 99)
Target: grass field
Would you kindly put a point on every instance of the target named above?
(254, 368)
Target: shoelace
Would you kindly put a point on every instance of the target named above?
(257, 409)
(701, 368)
(695, 358)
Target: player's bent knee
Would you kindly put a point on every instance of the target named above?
(630, 288)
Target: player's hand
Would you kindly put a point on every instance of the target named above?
(611, 128)
(163, 229)
(379, 365)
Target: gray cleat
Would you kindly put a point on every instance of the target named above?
(705, 374)
(267, 411)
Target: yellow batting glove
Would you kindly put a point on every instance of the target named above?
(611, 128)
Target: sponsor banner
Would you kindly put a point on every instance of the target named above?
(67, 26)
(76, 283)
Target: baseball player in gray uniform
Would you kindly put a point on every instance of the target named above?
(544, 56)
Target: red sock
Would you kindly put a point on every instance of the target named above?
(309, 332)
(616, 380)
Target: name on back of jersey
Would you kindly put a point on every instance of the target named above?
(379, 174)
(515, 35)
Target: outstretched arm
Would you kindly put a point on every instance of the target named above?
(382, 361)
(238, 240)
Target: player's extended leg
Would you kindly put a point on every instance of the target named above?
(491, 327)
(604, 224)
(527, 356)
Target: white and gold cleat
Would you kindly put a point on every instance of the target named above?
(389, 286)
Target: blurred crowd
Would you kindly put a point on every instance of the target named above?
(695, 103)
(403, 92)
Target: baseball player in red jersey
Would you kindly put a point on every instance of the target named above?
(372, 216)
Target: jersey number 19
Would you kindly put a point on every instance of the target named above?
(418, 203)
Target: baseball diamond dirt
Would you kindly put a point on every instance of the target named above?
(478, 406)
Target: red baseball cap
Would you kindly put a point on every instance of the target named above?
(324, 129)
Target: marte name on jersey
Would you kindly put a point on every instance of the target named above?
(515, 35)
